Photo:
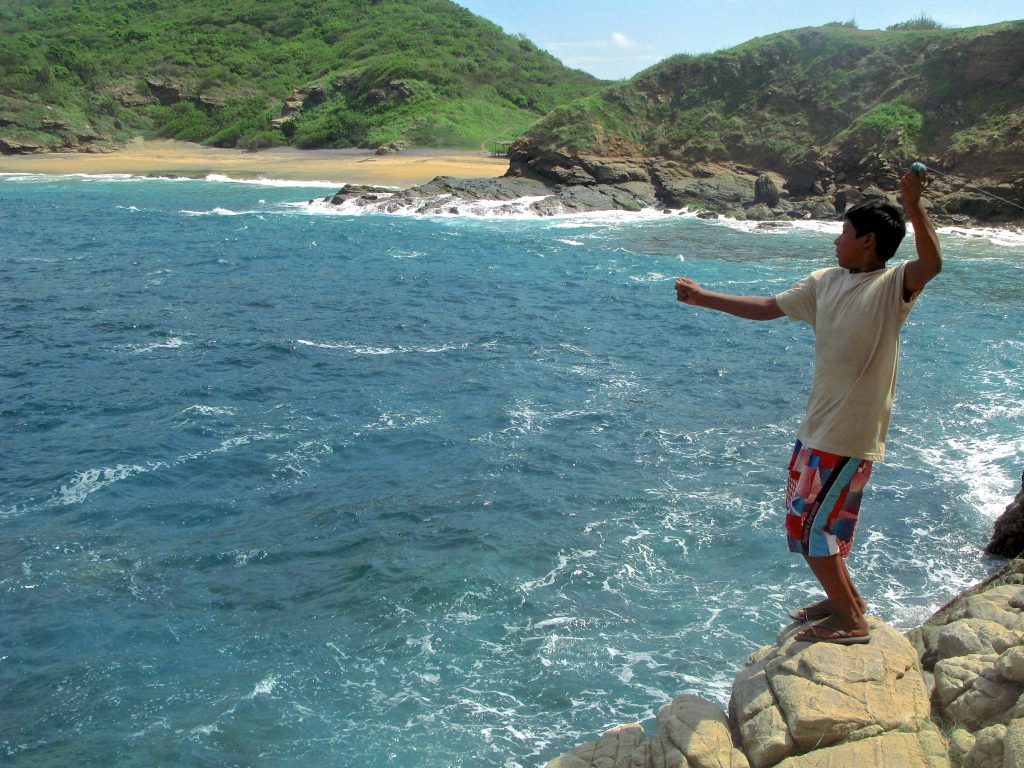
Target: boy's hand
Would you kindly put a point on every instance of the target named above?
(911, 188)
(688, 292)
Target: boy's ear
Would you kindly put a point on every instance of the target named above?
(870, 241)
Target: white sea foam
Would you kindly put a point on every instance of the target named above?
(209, 410)
(364, 349)
(650, 277)
(988, 484)
(85, 483)
(218, 212)
(557, 621)
(296, 460)
(447, 206)
(1006, 238)
(25, 177)
(172, 342)
(264, 687)
(213, 178)
(1010, 238)
(220, 178)
(388, 421)
(774, 227)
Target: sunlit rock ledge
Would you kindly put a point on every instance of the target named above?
(949, 694)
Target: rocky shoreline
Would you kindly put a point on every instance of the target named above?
(571, 184)
(948, 694)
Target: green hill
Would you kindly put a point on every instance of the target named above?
(819, 106)
(250, 73)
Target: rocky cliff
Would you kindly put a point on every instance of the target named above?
(949, 694)
(804, 120)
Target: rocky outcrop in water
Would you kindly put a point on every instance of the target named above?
(949, 694)
(601, 184)
(1008, 530)
(502, 196)
(806, 190)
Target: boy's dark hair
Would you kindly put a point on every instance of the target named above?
(883, 219)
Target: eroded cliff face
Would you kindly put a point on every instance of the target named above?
(833, 115)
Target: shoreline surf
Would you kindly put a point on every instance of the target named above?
(334, 168)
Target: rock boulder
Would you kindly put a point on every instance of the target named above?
(1008, 530)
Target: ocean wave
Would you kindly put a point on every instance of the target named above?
(393, 421)
(220, 178)
(364, 349)
(210, 410)
(650, 277)
(770, 227)
(1006, 238)
(83, 484)
(218, 211)
(120, 178)
(171, 342)
(447, 207)
(213, 178)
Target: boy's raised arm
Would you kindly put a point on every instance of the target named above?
(929, 255)
(748, 307)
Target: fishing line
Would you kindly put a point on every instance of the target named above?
(920, 169)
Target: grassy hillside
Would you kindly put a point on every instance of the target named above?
(833, 91)
(354, 73)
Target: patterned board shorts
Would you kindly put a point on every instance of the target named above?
(823, 501)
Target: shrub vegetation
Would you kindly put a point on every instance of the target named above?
(426, 71)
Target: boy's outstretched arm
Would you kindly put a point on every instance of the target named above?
(748, 307)
(929, 256)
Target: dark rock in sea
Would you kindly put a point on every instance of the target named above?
(766, 191)
(984, 207)
(444, 194)
(564, 182)
(1008, 530)
(823, 210)
(351, 191)
(759, 212)
(719, 187)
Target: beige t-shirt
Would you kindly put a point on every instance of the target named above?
(856, 320)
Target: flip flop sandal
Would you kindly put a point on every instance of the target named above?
(823, 634)
(809, 613)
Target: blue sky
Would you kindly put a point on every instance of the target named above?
(614, 39)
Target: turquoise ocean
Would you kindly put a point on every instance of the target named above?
(283, 485)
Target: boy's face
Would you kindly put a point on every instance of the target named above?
(852, 252)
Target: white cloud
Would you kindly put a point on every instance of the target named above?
(612, 57)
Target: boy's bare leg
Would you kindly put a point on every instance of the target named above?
(826, 604)
(843, 597)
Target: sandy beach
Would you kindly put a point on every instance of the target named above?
(180, 158)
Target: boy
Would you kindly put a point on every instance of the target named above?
(856, 310)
